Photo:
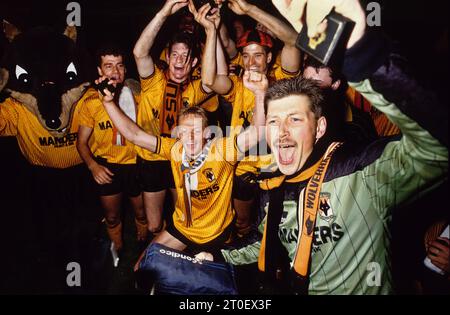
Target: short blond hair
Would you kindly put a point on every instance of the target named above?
(194, 110)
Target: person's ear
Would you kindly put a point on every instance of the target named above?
(336, 84)
(167, 55)
(321, 127)
(194, 62)
(99, 70)
(176, 132)
(269, 57)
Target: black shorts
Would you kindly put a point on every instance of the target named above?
(154, 175)
(243, 190)
(211, 246)
(124, 179)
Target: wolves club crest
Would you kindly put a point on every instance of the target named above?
(325, 211)
(209, 175)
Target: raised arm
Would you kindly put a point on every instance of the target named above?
(141, 51)
(258, 84)
(290, 55)
(215, 74)
(124, 124)
(399, 168)
(317, 10)
(228, 44)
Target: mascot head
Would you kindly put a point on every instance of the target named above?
(46, 72)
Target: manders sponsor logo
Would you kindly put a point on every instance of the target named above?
(288, 235)
(322, 235)
(103, 125)
(58, 142)
(325, 234)
(202, 194)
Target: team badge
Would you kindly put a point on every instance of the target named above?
(185, 102)
(325, 211)
(209, 175)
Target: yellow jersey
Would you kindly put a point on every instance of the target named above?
(210, 188)
(243, 100)
(160, 101)
(256, 164)
(105, 140)
(212, 103)
(37, 145)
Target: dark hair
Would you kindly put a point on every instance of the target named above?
(189, 40)
(297, 86)
(108, 49)
(314, 63)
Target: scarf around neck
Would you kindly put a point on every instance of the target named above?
(190, 169)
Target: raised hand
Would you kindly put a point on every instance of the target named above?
(256, 82)
(215, 17)
(317, 10)
(240, 7)
(105, 95)
(205, 16)
(172, 6)
(292, 10)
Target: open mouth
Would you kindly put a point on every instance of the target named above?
(286, 153)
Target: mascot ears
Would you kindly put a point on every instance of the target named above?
(11, 31)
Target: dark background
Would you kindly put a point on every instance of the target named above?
(419, 28)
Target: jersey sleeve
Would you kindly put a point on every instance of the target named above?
(85, 116)
(228, 150)
(237, 60)
(195, 95)
(164, 146)
(416, 161)
(236, 85)
(242, 256)
(149, 106)
(246, 253)
(153, 81)
(278, 73)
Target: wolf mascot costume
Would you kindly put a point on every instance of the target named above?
(44, 77)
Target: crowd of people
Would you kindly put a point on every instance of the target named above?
(302, 171)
